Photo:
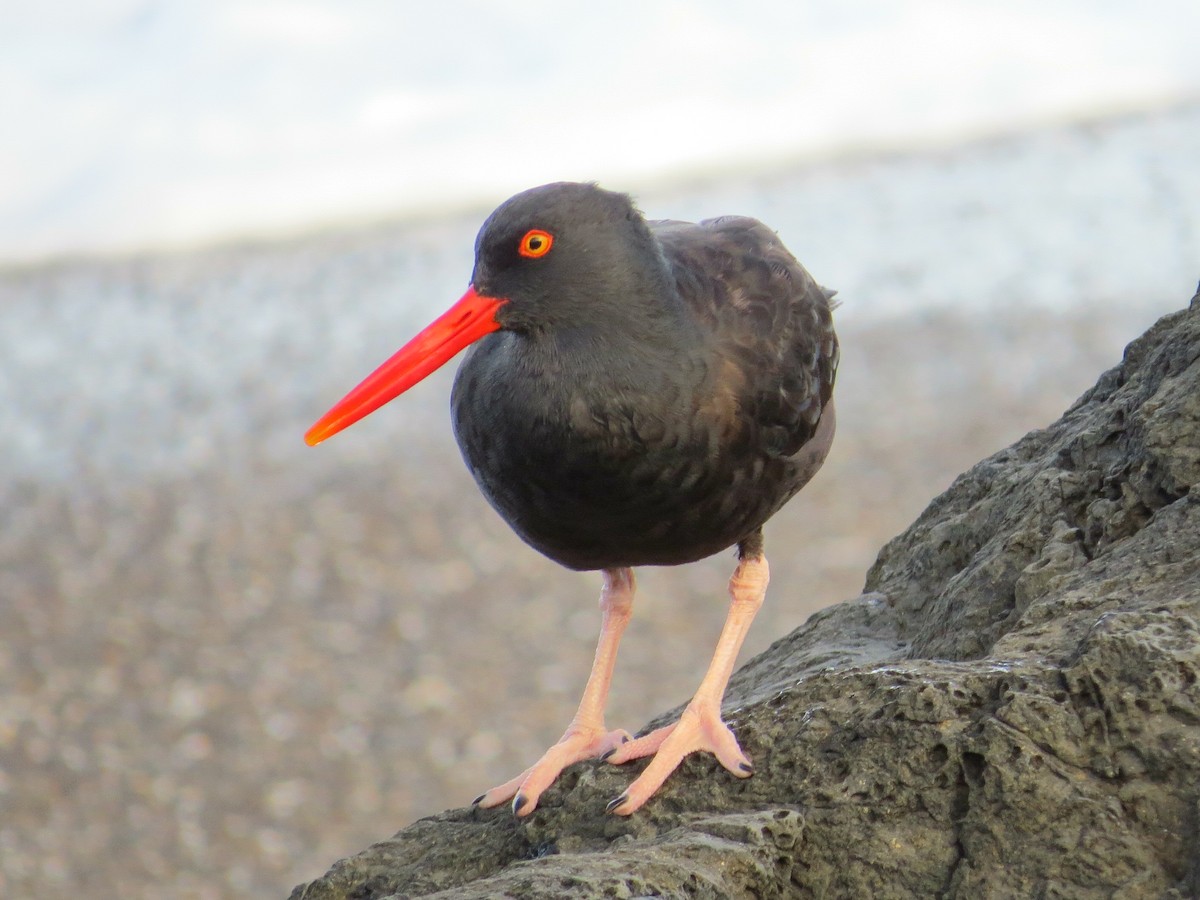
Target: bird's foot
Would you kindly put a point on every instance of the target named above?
(699, 728)
(577, 744)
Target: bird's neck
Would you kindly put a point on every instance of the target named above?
(620, 330)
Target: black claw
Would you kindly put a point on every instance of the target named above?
(519, 801)
(625, 739)
(615, 803)
(479, 799)
(607, 753)
(746, 767)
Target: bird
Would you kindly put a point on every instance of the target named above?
(635, 393)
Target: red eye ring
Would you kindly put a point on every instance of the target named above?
(535, 243)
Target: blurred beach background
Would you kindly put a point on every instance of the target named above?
(227, 659)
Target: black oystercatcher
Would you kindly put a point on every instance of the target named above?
(638, 393)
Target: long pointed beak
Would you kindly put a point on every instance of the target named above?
(473, 316)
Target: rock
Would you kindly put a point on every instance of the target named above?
(1010, 709)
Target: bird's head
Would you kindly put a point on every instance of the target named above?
(564, 254)
(551, 256)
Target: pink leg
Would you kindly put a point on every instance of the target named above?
(700, 727)
(587, 735)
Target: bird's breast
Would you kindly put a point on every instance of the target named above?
(598, 468)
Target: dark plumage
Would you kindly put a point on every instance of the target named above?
(637, 393)
(654, 417)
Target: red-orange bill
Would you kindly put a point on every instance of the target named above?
(473, 316)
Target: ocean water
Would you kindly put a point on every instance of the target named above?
(135, 123)
(154, 363)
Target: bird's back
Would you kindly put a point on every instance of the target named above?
(770, 320)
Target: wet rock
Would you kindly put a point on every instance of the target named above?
(1011, 708)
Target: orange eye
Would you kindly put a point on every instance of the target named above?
(535, 243)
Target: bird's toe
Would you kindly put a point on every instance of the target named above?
(699, 730)
(577, 744)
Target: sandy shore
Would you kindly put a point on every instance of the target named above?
(227, 660)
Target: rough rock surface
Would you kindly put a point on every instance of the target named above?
(1010, 709)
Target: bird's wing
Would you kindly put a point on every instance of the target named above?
(769, 318)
